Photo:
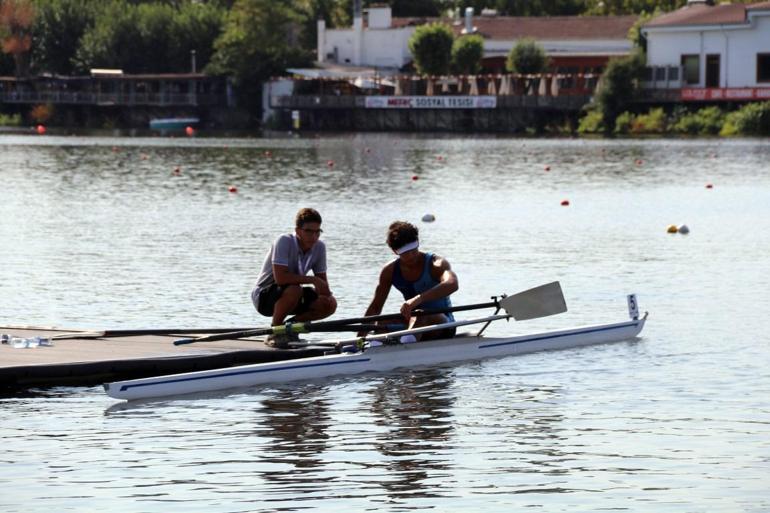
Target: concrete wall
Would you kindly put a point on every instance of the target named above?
(737, 47)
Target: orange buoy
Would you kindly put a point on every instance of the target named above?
(233, 189)
(190, 131)
(565, 203)
(40, 129)
(672, 228)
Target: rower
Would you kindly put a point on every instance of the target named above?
(425, 279)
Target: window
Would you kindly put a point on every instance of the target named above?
(673, 73)
(660, 74)
(763, 67)
(691, 69)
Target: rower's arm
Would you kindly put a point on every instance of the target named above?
(284, 277)
(381, 292)
(447, 284)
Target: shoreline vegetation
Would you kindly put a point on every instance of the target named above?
(250, 41)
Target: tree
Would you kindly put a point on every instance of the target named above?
(618, 87)
(527, 57)
(58, 28)
(16, 19)
(149, 37)
(260, 39)
(431, 47)
(467, 52)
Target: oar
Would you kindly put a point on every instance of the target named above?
(141, 332)
(540, 301)
(308, 326)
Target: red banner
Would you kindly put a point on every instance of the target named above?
(726, 94)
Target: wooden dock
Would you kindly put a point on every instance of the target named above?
(93, 361)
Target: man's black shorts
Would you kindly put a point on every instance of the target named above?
(270, 295)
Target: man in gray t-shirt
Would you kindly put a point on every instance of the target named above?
(279, 290)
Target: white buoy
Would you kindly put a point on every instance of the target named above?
(428, 218)
(684, 229)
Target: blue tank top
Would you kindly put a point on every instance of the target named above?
(425, 282)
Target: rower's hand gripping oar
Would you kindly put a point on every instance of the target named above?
(536, 302)
(306, 327)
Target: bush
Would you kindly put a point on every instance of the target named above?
(751, 119)
(623, 123)
(527, 58)
(618, 87)
(10, 120)
(654, 122)
(41, 113)
(431, 47)
(467, 52)
(708, 120)
(591, 123)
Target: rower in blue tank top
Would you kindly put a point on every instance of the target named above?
(426, 281)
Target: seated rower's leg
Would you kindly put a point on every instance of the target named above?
(320, 307)
(430, 320)
(286, 304)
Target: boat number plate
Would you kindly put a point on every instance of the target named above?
(633, 308)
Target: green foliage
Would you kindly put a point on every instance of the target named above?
(654, 122)
(527, 58)
(431, 47)
(10, 119)
(467, 52)
(618, 87)
(58, 27)
(706, 121)
(591, 123)
(528, 7)
(623, 123)
(149, 38)
(259, 40)
(751, 119)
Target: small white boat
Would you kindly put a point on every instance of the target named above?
(173, 124)
(378, 359)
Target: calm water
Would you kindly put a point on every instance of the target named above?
(101, 233)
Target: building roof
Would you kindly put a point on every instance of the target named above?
(506, 28)
(704, 14)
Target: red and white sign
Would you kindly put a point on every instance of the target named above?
(430, 102)
(726, 94)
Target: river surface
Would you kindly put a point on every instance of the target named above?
(104, 233)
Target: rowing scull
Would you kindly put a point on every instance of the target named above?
(376, 359)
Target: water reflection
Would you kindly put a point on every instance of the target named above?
(416, 411)
(297, 422)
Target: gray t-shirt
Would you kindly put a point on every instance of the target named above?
(286, 251)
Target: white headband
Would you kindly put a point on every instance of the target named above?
(408, 247)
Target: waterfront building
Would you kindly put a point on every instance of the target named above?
(574, 44)
(707, 52)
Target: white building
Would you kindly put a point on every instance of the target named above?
(381, 41)
(712, 52)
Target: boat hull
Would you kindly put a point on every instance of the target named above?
(375, 359)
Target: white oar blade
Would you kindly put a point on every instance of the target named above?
(537, 302)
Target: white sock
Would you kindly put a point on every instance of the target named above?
(408, 339)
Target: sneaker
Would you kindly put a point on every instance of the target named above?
(281, 340)
(408, 339)
(278, 341)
